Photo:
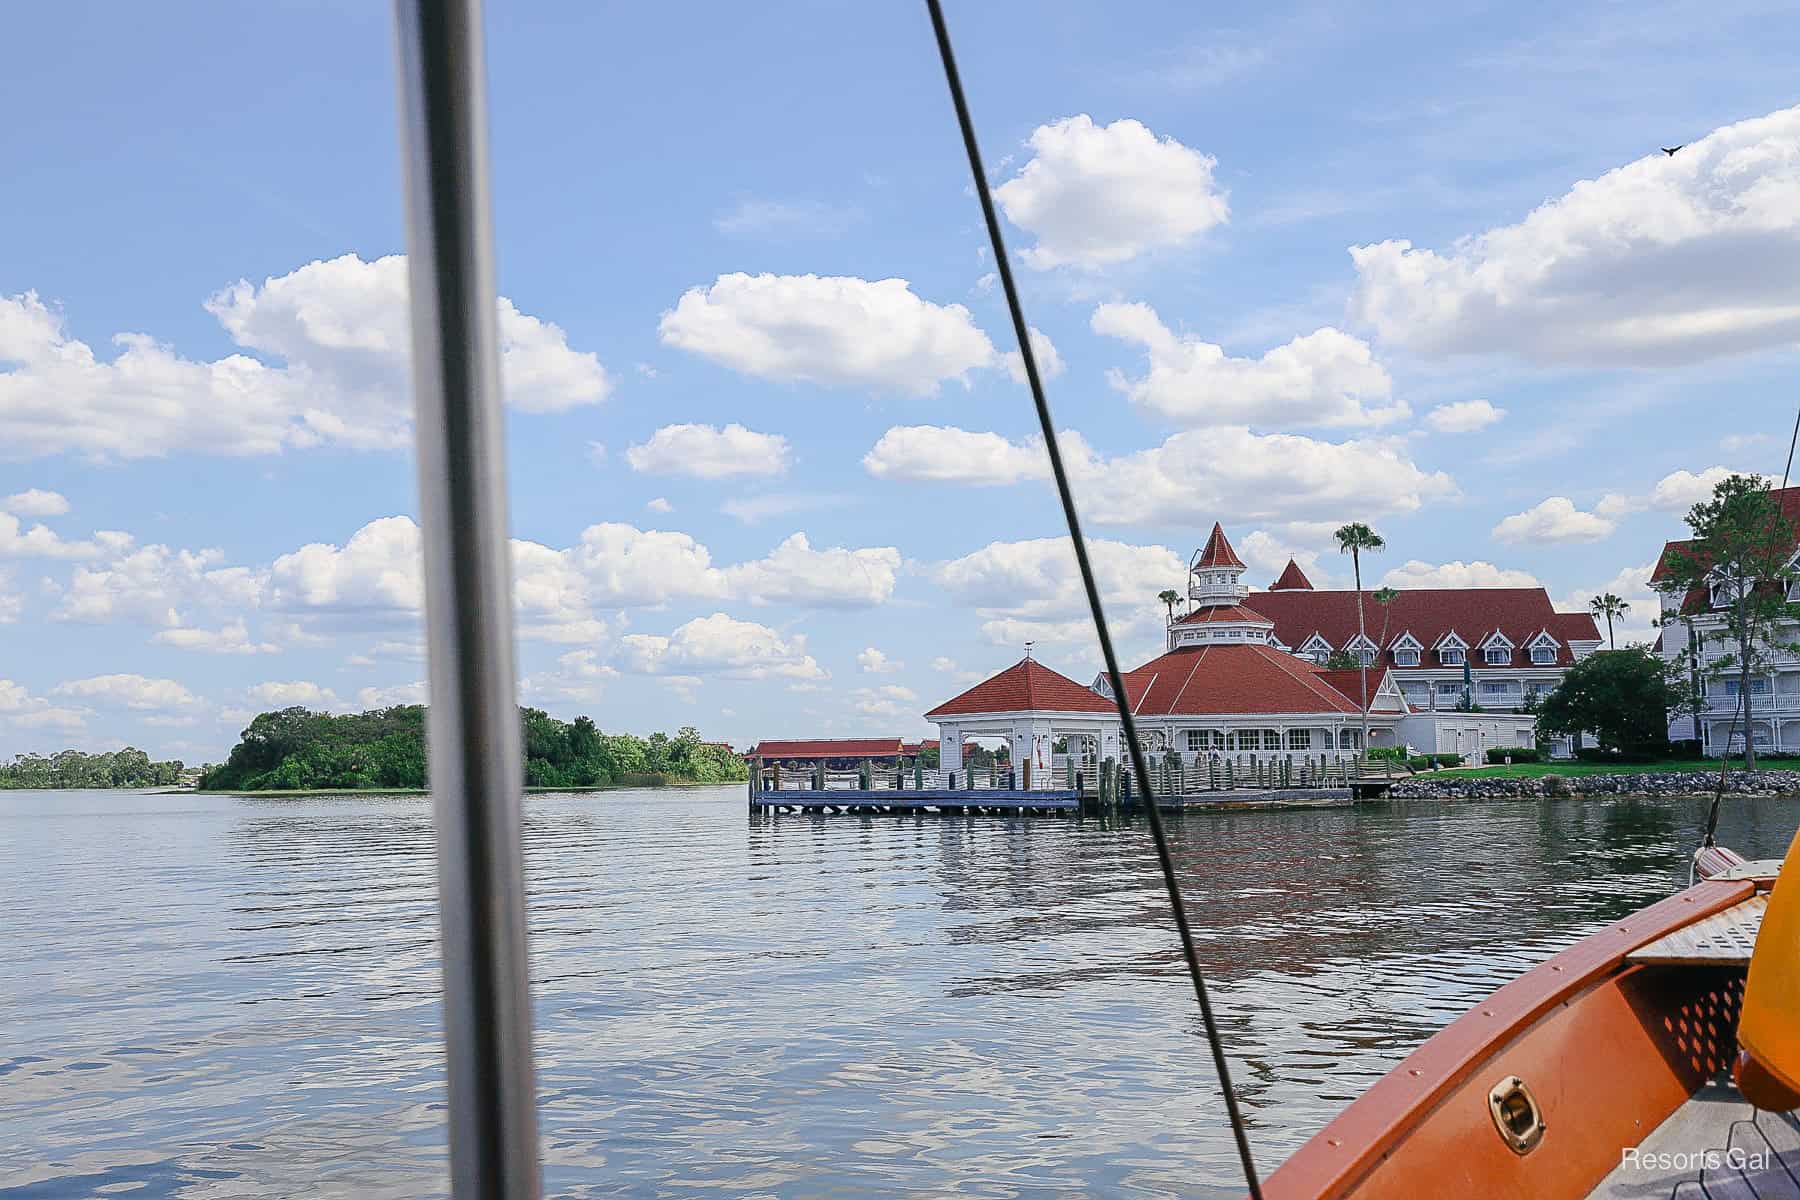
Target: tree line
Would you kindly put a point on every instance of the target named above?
(296, 749)
(127, 768)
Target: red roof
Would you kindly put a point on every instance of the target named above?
(1223, 612)
(1428, 614)
(1293, 579)
(1349, 682)
(1026, 686)
(1218, 679)
(1218, 551)
(828, 748)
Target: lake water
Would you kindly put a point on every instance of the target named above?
(215, 996)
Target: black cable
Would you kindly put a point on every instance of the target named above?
(1113, 675)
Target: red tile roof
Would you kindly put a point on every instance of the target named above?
(1293, 579)
(1218, 551)
(1215, 679)
(1349, 682)
(828, 748)
(1222, 612)
(1026, 686)
(1428, 614)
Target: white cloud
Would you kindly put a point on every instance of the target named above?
(1417, 574)
(1736, 443)
(875, 662)
(35, 502)
(580, 675)
(1199, 476)
(834, 330)
(136, 692)
(1632, 585)
(40, 541)
(1326, 377)
(946, 454)
(1675, 492)
(1679, 491)
(795, 573)
(1095, 195)
(20, 708)
(340, 329)
(231, 639)
(1554, 520)
(787, 219)
(708, 452)
(1194, 477)
(388, 697)
(1031, 590)
(1663, 260)
(719, 645)
(889, 702)
(1268, 555)
(1463, 416)
(291, 693)
(159, 586)
(378, 569)
(1049, 362)
(660, 505)
(753, 510)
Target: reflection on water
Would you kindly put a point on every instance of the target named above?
(210, 996)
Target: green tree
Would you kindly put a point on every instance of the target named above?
(1341, 660)
(1607, 606)
(1355, 539)
(1738, 564)
(1170, 598)
(1623, 697)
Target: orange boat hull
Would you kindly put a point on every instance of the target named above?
(1607, 1048)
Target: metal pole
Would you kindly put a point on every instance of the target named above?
(476, 773)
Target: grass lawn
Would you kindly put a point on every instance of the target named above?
(1536, 770)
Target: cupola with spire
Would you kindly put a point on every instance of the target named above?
(1293, 579)
(1216, 589)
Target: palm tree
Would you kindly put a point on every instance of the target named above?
(1609, 606)
(1170, 598)
(1353, 539)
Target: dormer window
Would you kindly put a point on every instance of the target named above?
(1451, 656)
(1407, 657)
(1543, 656)
(1365, 656)
(1498, 656)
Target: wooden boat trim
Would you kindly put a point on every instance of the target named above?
(1339, 1156)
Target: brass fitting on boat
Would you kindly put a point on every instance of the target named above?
(1516, 1115)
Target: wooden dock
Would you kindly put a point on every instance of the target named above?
(1016, 802)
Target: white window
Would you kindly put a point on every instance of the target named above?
(1498, 687)
(1348, 738)
(1365, 656)
(1320, 656)
(1759, 686)
(1451, 656)
(1299, 739)
(1237, 633)
(1449, 689)
(1406, 658)
(1498, 656)
(1271, 739)
(1543, 656)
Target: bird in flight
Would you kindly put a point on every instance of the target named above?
(1670, 150)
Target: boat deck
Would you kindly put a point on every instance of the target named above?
(1714, 1147)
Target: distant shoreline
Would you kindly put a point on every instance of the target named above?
(670, 785)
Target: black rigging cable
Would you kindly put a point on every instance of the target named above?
(1113, 676)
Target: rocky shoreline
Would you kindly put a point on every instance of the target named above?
(1659, 783)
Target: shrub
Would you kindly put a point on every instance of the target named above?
(1686, 749)
(1389, 753)
(1428, 762)
(1519, 754)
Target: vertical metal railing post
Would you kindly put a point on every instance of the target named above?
(476, 773)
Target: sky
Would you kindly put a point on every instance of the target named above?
(773, 468)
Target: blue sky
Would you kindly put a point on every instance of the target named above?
(711, 216)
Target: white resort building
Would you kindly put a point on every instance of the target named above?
(1244, 674)
(1774, 694)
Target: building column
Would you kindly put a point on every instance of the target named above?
(950, 744)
